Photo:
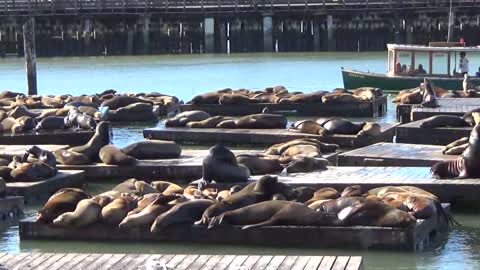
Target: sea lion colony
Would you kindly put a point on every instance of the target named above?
(281, 95)
(80, 112)
(266, 202)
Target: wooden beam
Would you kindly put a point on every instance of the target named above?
(30, 55)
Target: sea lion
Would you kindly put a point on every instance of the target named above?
(183, 213)
(148, 215)
(261, 190)
(211, 122)
(145, 201)
(10, 94)
(234, 99)
(111, 155)
(309, 127)
(86, 213)
(40, 155)
(79, 120)
(307, 164)
(127, 186)
(221, 165)
(466, 165)
(117, 210)
(133, 112)
(352, 191)
(225, 193)
(314, 97)
(278, 212)
(342, 98)
(66, 157)
(3, 188)
(469, 116)
(93, 112)
(429, 96)
(181, 119)
(20, 111)
(209, 97)
(302, 149)
(260, 164)
(370, 129)
(153, 149)
(462, 143)
(167, 188)
(263, 120)
(278, 149)
(443, 121)
(99, 140)
(123, 101)
(373, 213)
(5, 173)
(51, 123)
(466, 84)
(337, 125)
(32, 172)
(323, 194)
(143, 188)
(62, 201)
(23, 123)
(304, 194)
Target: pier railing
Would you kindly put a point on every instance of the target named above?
(39, 7)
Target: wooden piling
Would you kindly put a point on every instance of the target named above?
(30, 55)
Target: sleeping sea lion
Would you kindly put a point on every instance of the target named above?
(260, 164)
(51, 123)
(148, 215)
(443, 121)
(66, 157)
(153, 149)
(123, 101)
(117, 210)
(262, 120)
(86, 213)
(111, 155)
(182, 119)
(62, 201)
(373, 213)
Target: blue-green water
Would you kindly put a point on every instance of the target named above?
(185, 76)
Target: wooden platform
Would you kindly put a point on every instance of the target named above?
(56, 261)
(447, 106)
(412, 133)
(260, 136)
(61, 137)
(394, 154)
(40, 191)
(414, 238)
(10, 207)
(8, 151)
(187, 167)
(375, 108)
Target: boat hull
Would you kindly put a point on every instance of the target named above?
(356, 79)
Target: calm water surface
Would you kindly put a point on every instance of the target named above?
(185, 76)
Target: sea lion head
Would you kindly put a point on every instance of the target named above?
(352, 191)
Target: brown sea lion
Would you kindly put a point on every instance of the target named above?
(262, 121)
(373, 213)
(277, 212)
(211, 122)
(167, 188)
(148, 215)
(20, 111)
(183, 213)
(111, 155)
(146, 200)
(342, 98)
(86, 213)
(127, 186)
(309, 127)
(429, 97)
(143, 188)
(153, 149)
(23, 124)
(51, 123)
(123, 101)
(210, 97)
(40, 155)
(314, 97)
(117, 210)
(260, 164)
(221, 165)
(66, 157)
(278, 149)
(469, 117)
(32, 172)
(302, 149)
(370, 129)
(456, 147)
(234, 99)
(99, 140)
(225, 193)
(62, 201)
(90, 111)
(182, 119)
(443, 121)
(302, 164)
(352, 191)
(133, 112)
(323, 194)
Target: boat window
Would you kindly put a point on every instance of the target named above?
(422, 63)
(440, 63)
(405, 60)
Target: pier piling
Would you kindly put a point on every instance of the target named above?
(30, 55)
(267, 33)
(209, 30)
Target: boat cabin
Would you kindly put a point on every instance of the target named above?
(439, 59)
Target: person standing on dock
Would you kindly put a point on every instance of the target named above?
(463, 67)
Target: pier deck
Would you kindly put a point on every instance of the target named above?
(412, 133)
(375, 108)
(187, 167)
(11, 206)
(8, 151)
(61, 137)
(260, 136)
(55, 261)
(414, 238)
(41, 190)
(394, 154)
(447, 106)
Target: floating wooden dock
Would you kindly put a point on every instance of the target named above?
(187, 167)
(375, 108)
(11, 207)
(55, 261)
(61, 137)
(8, 151)
(260, 136)
(41, 190)
(413, 133)
(414, 238)
(447, 106)
(394, 154)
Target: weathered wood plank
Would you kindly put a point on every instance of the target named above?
(187, 262)
(212, 262)
(327, 263)
(11, 261)
(199, 262)
(69, 260)
(38, 261)
(224, 262)
(246, 261)
(262, 262)
(313, 263)
(98, 262)
(355, 263)
(288, 263)
(91, 258)
(301, 262)
(61, 137)
(112, 262)
(340, 263)
(23, 264)
(137, 261)
(275, 262)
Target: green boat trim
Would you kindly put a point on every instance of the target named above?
(354, 79)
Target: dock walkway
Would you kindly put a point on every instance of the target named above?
(54, 261)
(447, 106)
(413, 133)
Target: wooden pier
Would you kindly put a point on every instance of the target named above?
(61, 137)
(413, 133)
(56, 261)
(375, 108)
(40, 191)
(260, 136)
(415, 238)
(187, 167)
(11, 207)
(394, 154)
(447, 106)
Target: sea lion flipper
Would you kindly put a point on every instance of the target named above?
(269, 222)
